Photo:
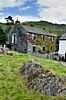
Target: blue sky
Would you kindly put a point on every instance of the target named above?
(34, 10)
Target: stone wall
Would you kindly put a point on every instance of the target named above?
(5, 51)
(21, 45)
(29, 48)
(43, 80)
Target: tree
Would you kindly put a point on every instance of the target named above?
(48, 45)
(57, 41)
(39, 40)
(9, 20)
(44, 28)
(3, 36)
(31, 25)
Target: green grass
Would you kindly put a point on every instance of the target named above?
(11, 81)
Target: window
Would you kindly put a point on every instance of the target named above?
(43, 48)
(14, 38)
(34, 48)
(33, 36)
(43, 37)
(52, 38)
(27, 33)
(51, 48)
(49, 37)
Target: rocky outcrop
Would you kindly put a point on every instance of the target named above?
(42, 80)
(5, 51)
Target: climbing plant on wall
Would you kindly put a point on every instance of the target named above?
(39, 40)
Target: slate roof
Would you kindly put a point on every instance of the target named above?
(36, 30)
(63, 37)
(24, 29)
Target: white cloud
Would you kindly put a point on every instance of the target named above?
(2, 20)
(25, 8)
(21, 18)
(56, 11)
(25, 18)
(11, 3)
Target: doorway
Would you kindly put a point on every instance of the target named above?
(34, 48)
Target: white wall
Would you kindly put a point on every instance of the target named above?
(62, 47)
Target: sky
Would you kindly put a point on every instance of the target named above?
(34, 10)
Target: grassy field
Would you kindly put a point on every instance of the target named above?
(12, 82)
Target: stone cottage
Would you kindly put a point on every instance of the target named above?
(26, 39)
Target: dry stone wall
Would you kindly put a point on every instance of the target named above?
(42, 80)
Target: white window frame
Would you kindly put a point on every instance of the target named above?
(14, 36)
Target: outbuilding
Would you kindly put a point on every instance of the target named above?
(62, 45)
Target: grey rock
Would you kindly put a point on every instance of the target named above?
(43, 80)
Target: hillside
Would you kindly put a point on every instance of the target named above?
(50, 27)
(4, 26)
(12, 82)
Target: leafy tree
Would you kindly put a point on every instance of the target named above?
(39, 40)
(47, 44)
(2, 36)
(9, 20)
(57, 42)
(31, 25)
(44, 28)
